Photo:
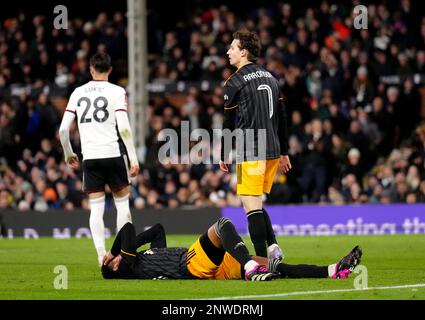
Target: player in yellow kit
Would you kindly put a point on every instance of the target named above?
(254, 106)
(219, 253)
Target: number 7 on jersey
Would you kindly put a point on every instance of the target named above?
(269, 95)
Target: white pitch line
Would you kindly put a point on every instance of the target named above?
(300, 293)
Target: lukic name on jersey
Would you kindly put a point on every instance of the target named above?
(256, 75)
(94, 89)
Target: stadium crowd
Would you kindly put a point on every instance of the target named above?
(353, 100)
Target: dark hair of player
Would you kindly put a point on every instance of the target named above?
(249, 40)
(101, 62)
(108, 273)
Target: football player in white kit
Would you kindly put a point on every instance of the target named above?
(101, 111)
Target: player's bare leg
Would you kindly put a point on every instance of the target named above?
(251, 203)
(97, 225)
(122, 203)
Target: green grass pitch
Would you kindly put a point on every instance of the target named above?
(392, 261)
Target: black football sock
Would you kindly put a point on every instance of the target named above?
(231, 241)
(302, 271)
(257, 231)
(270, 236)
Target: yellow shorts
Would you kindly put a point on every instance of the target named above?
(200, 265)
(256, 177)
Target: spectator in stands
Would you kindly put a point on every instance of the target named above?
(315, 153)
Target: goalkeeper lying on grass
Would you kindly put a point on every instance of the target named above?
(220, 253)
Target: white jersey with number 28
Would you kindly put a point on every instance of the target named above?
(95, 104)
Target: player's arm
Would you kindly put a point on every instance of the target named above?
(124, 131)
(124, 245)
(284, 161)
(154, 235)
(68, 118)
(229, 114)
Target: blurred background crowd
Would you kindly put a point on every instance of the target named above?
(355, 101)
